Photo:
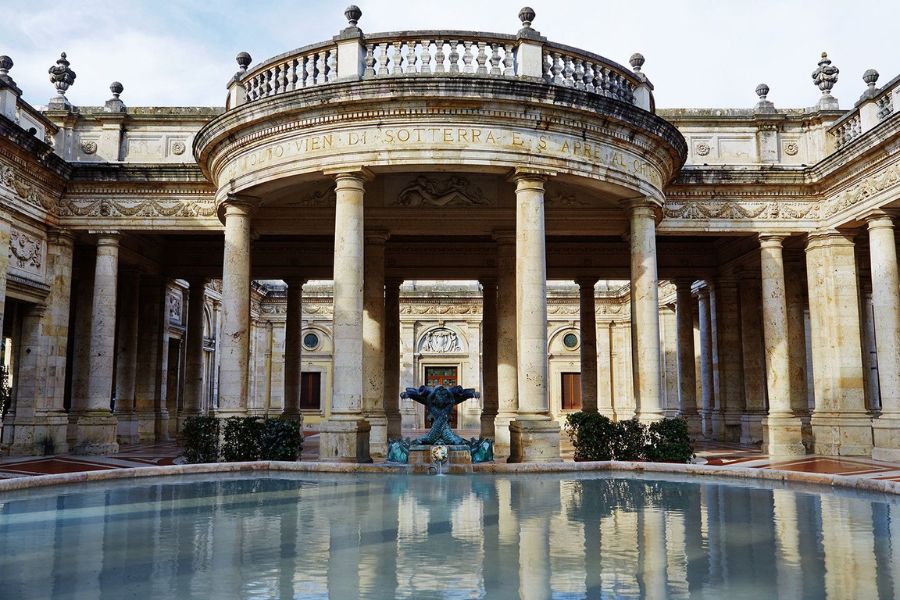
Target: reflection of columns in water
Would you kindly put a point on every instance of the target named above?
(534, 501)
(677, 554)
(789, 577)
(652, 545)
(847, 536)
(507, 557)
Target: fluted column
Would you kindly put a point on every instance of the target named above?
(345, 434)
(840, 423)
(645, 311)
(534, 435)
(293, 350)
(234, 365)
(126, 357)
(373, 342)
(886, 309)
(687, 377)
(706, 362)
(193, 367)
(588, 348)
(392, 358)
(507, 351)
(96, 426)
(489, 401)
(782, 431)
(753, 358)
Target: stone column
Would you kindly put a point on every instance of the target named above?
(534, 435)
(392, 358)
(373, 342)
(840, 423)
(489, 402)
(293, 350)
(507, 350)
(706, 362)
(149, 392)
(687, 377)
(754, 361)
(794, 284)
(782, 430)
(126, 357)
(5, 234)
(193, 368)
(886, 309)
(345, 434)
(588, 323)
(645, 311)
(731, 376)
(96, 425)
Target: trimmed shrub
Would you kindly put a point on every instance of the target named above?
(201, 439)
(592, 435)
(242, 439)
(668, 441)
(630, 440)
(282, 440)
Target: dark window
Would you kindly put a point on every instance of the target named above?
(310, 390)
(310, 341)
(570, 340)
(571, 391)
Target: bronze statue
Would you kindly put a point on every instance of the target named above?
(439, 403)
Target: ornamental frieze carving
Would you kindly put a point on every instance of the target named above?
(317, 309)
(273, 309)
(863, 190)
(449, 191)
(143, 207)
(771, 211)
(439, 309)
(28, 192)
(26, 252)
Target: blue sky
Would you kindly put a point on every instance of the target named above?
(700, 53)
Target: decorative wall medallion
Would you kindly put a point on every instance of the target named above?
(89, 146)
(453, 190)
(178, 148)
(702, 149)
(441, 340)
(26, 252)
(791, 148)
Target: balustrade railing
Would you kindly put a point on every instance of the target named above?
(588, 72)
(296, 71)
(875, 106)
(449, 53)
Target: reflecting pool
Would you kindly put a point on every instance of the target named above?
(597, 535)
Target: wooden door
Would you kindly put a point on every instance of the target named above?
(447, 377)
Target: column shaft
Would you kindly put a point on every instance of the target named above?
(706, 361)
(731, 376)
(293, 350)
(392, 357)
(126, 357)
(489, 401)
(149, 395)
(373, 342)
(645, 312)
(588, 348)
(507, 351)
(752, 351)
(193, 368)
(687, 377)
(5, 234)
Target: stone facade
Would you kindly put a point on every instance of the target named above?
(743, 262)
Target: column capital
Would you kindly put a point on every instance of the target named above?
(771, 240)
(488, 282)
(238, 204)
(504, 237)
(62, 237)
(683, 282)
(879, 219)
(530, 178)
(295, 282)
(392, 283)
(350, 175)
(106, 237)
(828, 237)
(587, 282)
(376, 236)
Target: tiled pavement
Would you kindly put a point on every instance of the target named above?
(709, 453)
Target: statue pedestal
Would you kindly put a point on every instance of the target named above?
(459, 459)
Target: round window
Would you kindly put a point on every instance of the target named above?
(570, 340)
(310, 341)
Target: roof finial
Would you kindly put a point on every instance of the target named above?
(6, 63)
(763, 105)
(353, 14)
(824, 77)
(62, 77)
(870, 77)
(114, 104)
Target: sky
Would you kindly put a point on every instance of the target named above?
(699, 53)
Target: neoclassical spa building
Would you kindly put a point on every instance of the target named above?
(501, 211)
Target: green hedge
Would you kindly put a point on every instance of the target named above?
(239, 439)
(595, 437)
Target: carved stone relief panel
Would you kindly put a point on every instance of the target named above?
(27, 254)
(440, 341)
(450, 190)
(174, 306)
(143, 147)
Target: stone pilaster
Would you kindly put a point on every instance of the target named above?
(95, 431)
(730, 371)
(392, 358)
(782, 430)
(234, 364)
(754, 363)
(706, 361)
(192, 403)
(126, 357)
(489, 401)
(507, 347)
(588, 349)
(345, 434)
(293, 350)
(645, 343)
(886, 309)
(373, 342)
(687, 377)
(534, 435)
(840, 423)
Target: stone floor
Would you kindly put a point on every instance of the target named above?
(717, 454)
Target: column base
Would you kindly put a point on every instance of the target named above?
(501, 434)
(694, 424)
(836, 434)
(783, 436)
(886, 437)
(95, 433)
(488, 425)
(294, 416)
(752, 428)
(394, 425)
(706, 428)
(344, 441)
(127, 428)
(534, 441)
(650, 417)
(146, 425)
(41, 435)
(378, 437)
(726, 427)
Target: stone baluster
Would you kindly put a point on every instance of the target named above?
(383, 58)
(370, 61)
(509, 67)
(556, 69)
(568, 72)
(426, 57)
(495, 59)
(410, 66)
(439, 56)
(579, 74)
(454, 56)
(482, 59)
(467, 57)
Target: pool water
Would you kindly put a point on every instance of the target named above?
(595, 535)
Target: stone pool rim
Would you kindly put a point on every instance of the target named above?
(745, 473)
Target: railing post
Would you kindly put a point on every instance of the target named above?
(868, 108)
(530, 54)
(237, 93)
(9, 91)
(643, 92)
(351, 48)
